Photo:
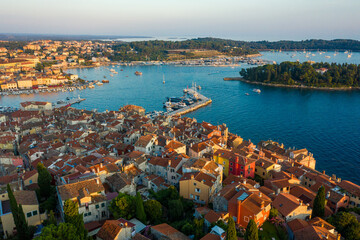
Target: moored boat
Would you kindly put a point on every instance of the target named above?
(138, 73)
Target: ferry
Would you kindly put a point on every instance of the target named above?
(256, 90)
(137, 73)
(99, 83)
(105, 81)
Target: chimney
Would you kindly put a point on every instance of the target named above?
(97, 180)
(260, 194)
(262, 204)
(323, 172)
(192, 176)
(301, 202)
(244, 181)
(126, 224)
(169, 162)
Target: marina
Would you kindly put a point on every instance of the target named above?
(68, 102)
(202, 101)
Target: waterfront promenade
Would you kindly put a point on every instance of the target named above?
(202, 102)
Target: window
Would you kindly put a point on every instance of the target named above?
(246, 219)
(242, 167)
(28, 214)
(197, 197)
(197, 190)
(89, 213)
(102, 204)
(231, 164)
(241, 173)
(97, 206)
(85, 214)
(194, 183)
(191, 196)
(34, 213)
(30, 181)
(231, 169)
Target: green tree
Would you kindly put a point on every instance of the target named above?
(199, 228)
(72, 216)
(123, 206)
(319, 203)
(23, 230)
(153, 210)
(251, 231)
(273, 213)
(44, 181)
(52, 219)
(65, 231)
(175, 210)
(231, 230)
(347, 225)
(187, 229)
(140, 212)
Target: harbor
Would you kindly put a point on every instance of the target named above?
(201, 101)
(68, 102)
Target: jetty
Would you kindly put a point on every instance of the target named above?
(202, 102)
(68, 103)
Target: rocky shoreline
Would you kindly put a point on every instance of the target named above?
(290, 86)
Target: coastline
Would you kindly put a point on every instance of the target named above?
(290, 86)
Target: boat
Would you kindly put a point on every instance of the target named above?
(185, 90)
(198, 87)
(163, 79)
(327, 57)
(104, 76)
(111, 75)
(137, 73)
(121, 70)
(99, 83)
(91, 86)
(181, 104)
(346, 52)
(256, 90)
(247, 94)
(105, 81)
(349, 55)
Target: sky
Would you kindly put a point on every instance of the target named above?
(234, 19)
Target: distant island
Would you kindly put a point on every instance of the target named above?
(295, 74)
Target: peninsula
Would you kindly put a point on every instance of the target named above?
(304, 75)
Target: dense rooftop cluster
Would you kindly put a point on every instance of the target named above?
(93, 157)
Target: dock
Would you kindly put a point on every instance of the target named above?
(68, 103)
(202, 102)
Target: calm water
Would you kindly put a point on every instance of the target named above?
(327, 123)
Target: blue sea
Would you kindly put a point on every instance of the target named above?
(327, 123)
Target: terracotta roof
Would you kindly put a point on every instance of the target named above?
(297, 224)
(286, 203)
(212, 216)
(112, 228)
(350, 187)
(166, 230)
(71, 190)
(200, 177)
(26, 197)
(211, 236)
(314, 233)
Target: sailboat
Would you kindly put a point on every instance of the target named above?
(163, 79)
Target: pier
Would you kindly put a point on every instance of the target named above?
(202, 102)
(68, 103)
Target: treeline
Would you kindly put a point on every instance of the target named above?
(313, 44)
(306, 74)
(159, 50)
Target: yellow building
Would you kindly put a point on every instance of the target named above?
(7, 142)
(25, 83)
(199, 186)
(30, 205)
(9, 85)
(264, 167)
